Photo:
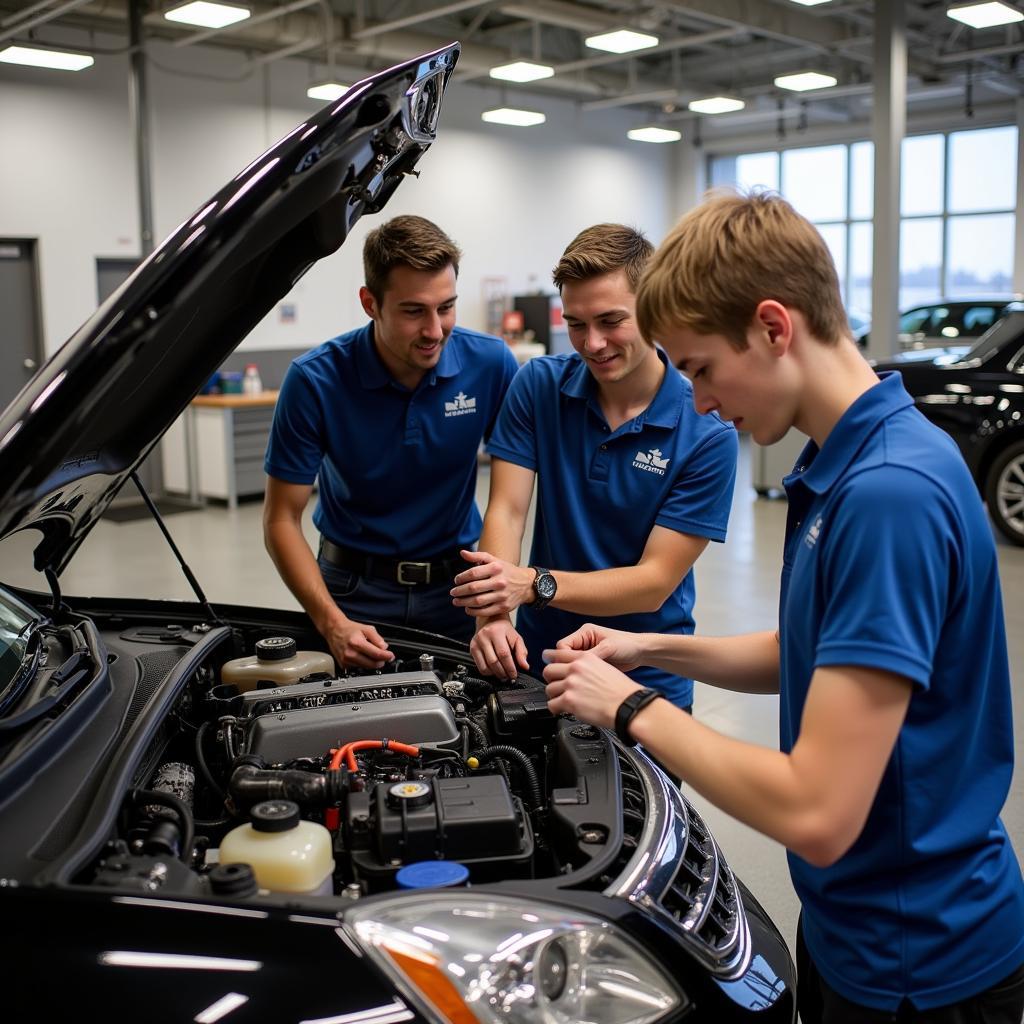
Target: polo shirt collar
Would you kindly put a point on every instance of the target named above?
(664, 410)
(854, 428)
(374, 374)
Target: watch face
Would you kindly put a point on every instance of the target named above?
(545, 586)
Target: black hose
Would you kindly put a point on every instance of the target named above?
(478, 734)
(521, 761)
(184, 812)
(203, 766)
(251, 783)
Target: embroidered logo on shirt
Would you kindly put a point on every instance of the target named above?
(812, 534)
(462, 406)
(651, 461)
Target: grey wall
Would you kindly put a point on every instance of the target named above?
(512, 198)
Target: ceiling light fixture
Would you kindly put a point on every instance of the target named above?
(984, 15)
(33, 57)
(509, 115)
(623, 40)
(522, 71)
(654, 134)
(207, 14)
(803, 81)
(810, 3)
(327, 91)
(716, 105)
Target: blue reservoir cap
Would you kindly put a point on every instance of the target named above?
(430, 874)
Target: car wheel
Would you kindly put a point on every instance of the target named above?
(1004, 493)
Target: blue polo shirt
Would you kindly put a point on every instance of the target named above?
(397, 468)
(890, 564)
(600, 492)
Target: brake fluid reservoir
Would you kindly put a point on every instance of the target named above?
(286, 853)
(276, 661)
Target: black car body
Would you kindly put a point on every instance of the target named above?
(977, 396)
(596, 891)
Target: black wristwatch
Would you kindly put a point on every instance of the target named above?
(545, 586)
(629, 709)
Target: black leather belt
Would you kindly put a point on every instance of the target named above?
(409, 572)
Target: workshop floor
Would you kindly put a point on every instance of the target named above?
(737, 591)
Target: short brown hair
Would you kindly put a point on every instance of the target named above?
(602, 249)
(728, 255)
(408, 241)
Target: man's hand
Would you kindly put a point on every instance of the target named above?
(622, 649)
(356, 644)
(497, 649)
(493, 586)
(582, 684)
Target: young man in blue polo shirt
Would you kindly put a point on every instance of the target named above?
(890, 658)
(632, 484)
(389, 417)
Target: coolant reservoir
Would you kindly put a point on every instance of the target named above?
(276, 661)
(287, 854)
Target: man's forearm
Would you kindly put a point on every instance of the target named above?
(298, 568)
(620, 591)
(748, 663)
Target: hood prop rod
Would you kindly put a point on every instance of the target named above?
(192, 581)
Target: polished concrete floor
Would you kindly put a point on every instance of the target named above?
(737, 591)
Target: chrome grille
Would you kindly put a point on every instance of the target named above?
(672, 865)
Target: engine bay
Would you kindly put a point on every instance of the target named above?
(421, 763)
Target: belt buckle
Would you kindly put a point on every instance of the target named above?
(403, 566)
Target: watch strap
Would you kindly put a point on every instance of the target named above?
(629, 709)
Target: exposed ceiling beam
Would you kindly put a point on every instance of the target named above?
(41, 19)
(256, 19)
(562, 15)
(416, 19)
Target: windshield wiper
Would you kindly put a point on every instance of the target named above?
(75, 670)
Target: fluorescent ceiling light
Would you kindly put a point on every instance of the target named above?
(522, 71)
(207, 14)
(805, 80)
(59, 60)
(509, 115)
(716, 105)
(624, 40)
(985, 15)
(810, 3)
(654, 134)
(327, 91)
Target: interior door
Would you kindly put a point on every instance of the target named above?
(21, 342)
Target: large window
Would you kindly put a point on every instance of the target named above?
(958, 195)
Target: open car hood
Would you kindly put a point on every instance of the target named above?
(93, 412)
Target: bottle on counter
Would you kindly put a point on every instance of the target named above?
(251, 382)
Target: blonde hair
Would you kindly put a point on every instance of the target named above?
(406, 241)
(603, 249)
(728, 255)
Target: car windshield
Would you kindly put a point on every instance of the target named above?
(16, 620)
(996, 337)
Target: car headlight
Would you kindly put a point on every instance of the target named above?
(474, 959)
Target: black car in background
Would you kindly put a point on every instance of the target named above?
(977, 396)
(947, 323)
(595, 891)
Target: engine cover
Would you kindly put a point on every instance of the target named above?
(307, 732)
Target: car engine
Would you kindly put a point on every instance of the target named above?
(422, 761)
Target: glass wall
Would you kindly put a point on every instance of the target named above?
(958, 195)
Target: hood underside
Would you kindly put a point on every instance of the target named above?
(92, 413)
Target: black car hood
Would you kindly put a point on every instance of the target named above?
(92, 413)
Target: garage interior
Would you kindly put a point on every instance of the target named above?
(910, 159)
